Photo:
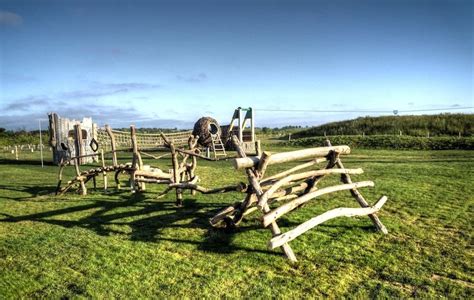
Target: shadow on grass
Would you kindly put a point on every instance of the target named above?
(147, 220)
(32, 191)
(31, 162)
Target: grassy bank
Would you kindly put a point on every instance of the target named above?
(118, 244)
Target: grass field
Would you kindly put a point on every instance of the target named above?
(118, 244)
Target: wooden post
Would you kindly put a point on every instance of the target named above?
(137, 163)
(258, 148)
(112, 145)
(16, 152)
(176, 175)
(240, 125)
(252, 125)
(192, 145)
(253, 180)
(78, 145)
(94, 136)
(79, 177)
(104, 172)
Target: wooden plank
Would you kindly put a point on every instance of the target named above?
(250, 162)
(280, 211)
(331, 214)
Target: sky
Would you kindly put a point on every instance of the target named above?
(167, 63)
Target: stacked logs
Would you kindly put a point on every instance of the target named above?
(297, 188)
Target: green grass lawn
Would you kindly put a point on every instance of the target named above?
(119, 244)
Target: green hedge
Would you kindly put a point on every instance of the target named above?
(390, 142)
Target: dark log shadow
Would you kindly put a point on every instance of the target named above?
(6, 161)
(147, 218)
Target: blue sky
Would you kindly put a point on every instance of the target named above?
(167, 63)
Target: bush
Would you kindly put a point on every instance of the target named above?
(390, 142)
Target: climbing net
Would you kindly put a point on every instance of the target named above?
(144, 140)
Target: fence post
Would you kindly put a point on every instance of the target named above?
(16, 152)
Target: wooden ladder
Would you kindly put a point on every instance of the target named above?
(217, 146)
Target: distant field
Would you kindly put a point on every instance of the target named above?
(124, 245)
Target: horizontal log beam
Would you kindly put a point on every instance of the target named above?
(250, 162)
(263, 200)
(203, 190)
(280, 211)
(288, 236)
(158, 174)
(297, 168)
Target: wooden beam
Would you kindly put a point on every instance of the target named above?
(250, 162)
(280, 211)
(263, 200)
(297, 168)
(331, 214)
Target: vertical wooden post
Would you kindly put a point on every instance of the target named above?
(192, 145)
(104, 173)
(112, 145)
(16, 152)
(137, 163)
(253, 180)
(258, 148)
(252, 125)
(176, 175)
(240, 125)
(94, 136)
(79, 149)
(79, 177)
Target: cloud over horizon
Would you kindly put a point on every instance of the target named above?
(8, 18)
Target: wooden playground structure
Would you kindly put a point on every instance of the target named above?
(273, 196)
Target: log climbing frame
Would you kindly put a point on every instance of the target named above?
(295, 189)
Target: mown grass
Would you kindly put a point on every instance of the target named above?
(118, 244)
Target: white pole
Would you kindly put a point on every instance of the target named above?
(41, 144)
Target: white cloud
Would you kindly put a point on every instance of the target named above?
(10, 19)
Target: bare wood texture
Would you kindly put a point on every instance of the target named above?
(113, 146)
(263, 163)
(345, 178)
(250, 162)
(253, 180)
(263, 200)
(280, 211)
(331, 214)
(104, 173)
(292, 170)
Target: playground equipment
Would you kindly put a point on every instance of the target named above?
(181, 177)
(296, 186)
(298, 189)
